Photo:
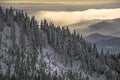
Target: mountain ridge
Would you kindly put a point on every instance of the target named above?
(30, 52)
(105, 42)
(107, 27)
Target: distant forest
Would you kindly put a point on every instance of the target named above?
(22, 40)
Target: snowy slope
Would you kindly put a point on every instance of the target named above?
(51, 59)
(30, 52)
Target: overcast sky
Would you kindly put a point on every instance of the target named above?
(58, 0)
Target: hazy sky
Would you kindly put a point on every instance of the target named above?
(69, 14)
(67, 18)
(57, 0)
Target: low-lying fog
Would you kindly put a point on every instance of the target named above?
(67, 18)
(80, 15)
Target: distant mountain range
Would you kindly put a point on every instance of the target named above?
(48, 52)
(83, 26)
(104, 33)
(96, 37)
(107, 27)
(110, 27)
(105, 42)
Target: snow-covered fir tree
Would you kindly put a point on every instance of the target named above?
(29, 51)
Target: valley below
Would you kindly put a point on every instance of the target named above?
(39, 42)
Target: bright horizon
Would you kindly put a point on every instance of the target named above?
(69, 13)
(62, 1)
(78, 16)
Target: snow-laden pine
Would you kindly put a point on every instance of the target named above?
(29, 51)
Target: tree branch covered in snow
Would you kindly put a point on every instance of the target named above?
(29, 51)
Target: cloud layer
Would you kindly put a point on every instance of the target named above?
(61, 0)
(67, 18)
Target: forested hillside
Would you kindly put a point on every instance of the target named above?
(29, 51)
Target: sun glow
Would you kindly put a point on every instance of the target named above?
(67, 18)
(62, 2)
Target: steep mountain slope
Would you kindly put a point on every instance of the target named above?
(28, 52)
(25, 51)
(22, 49)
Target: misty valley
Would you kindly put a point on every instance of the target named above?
(59, 45)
